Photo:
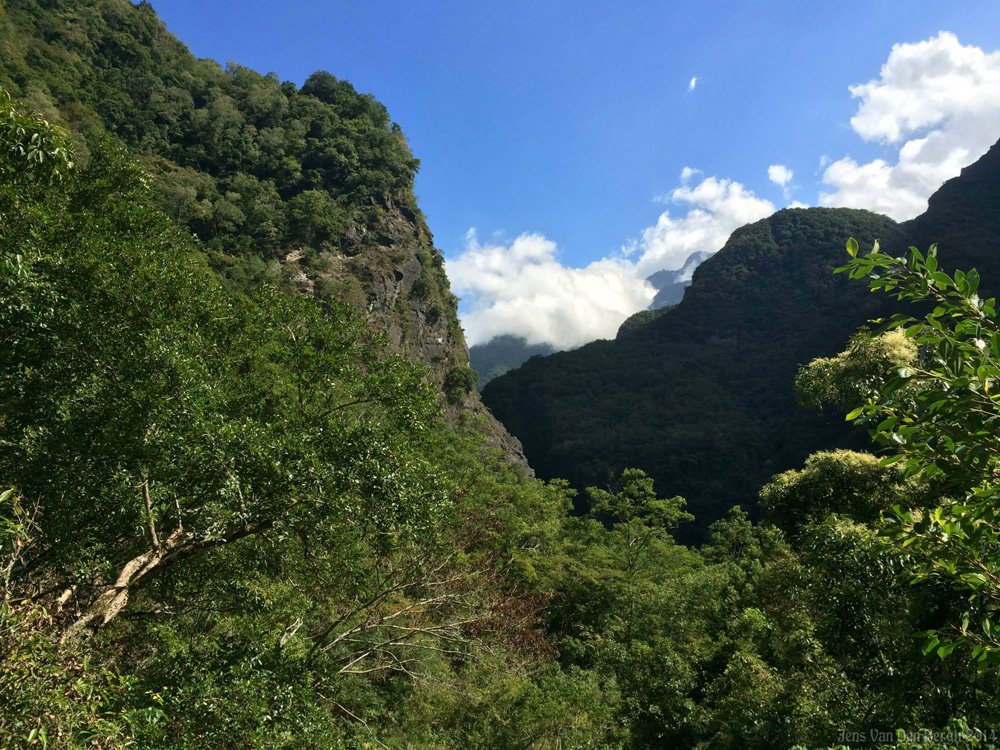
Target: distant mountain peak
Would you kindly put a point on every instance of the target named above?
(503, 353)
(670, 285)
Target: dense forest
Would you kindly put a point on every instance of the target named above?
(309, 189)
(253, 502)
(700, 397)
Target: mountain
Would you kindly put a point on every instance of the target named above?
(634, 322)
(503, 353)
(310, 188)
(670, 285)
(701, 397)
(232, 517)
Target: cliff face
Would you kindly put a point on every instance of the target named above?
(399, 286)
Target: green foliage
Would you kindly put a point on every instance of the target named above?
(701, 397)
(636, 511)
(276, 542)
(32, 148)
(242, 494)
(857, 485)
(634, 322)
(249, 164)
(145, 375)
(938, 418)
(16, 526)
(857, 372)
(421, 288)
(460, 382)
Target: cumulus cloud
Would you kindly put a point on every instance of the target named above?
(937, 103)
(522, 289)
(715, 208)
(935, 106)
(779, 174)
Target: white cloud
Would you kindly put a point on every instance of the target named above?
(522, 289)
(939, 102)
(688, 172)
(935, 106)
(779, 174)
(716, 208)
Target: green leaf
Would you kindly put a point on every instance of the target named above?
(943, 280)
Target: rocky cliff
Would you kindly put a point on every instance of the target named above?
(399, 285)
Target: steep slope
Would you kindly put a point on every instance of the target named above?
(638, 320)
(702, 396)
(309, 187)
(962, 218)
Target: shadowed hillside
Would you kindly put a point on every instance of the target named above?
(702, 396)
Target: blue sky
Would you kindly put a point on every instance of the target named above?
(567, 124)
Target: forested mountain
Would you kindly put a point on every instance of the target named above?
(701, 397)
(503, 353)
(308, 188)
(248, 497)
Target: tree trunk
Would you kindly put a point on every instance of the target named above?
(140, 569)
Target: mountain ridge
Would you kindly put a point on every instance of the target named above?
(727, 354)
(670, 285)
(501, 354)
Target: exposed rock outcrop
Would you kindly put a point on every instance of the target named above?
(395, 278)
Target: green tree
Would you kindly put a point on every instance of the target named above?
(640, 521)
(939, 416)
(154, 416)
